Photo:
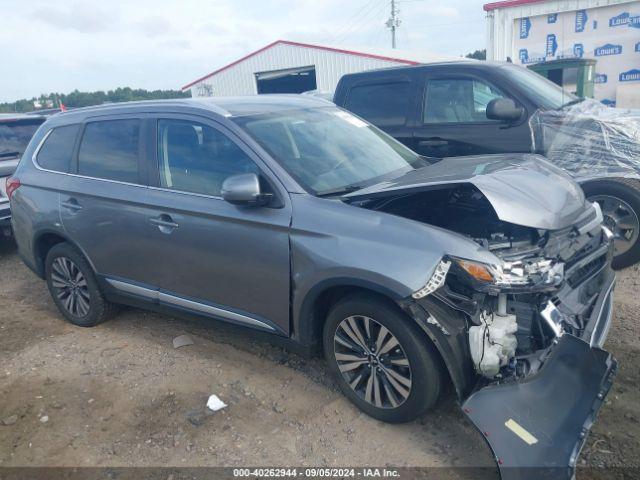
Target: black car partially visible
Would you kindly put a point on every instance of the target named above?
(16, 129)
(465, 108)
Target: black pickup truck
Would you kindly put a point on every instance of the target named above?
(461, 108)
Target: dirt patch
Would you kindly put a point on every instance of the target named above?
(121, 395)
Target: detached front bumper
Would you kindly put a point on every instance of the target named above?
(537, 426)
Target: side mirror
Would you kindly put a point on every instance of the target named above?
(244, 189)
(504, 109)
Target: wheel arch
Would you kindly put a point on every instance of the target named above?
(449, 349)
(44, 241)
(309, 318)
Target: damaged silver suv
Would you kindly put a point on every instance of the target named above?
(288, 215)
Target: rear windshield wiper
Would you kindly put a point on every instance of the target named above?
(340, 191)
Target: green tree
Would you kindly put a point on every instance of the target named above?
(478, 54)
(78, 99)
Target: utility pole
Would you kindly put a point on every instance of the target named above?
(393, 22)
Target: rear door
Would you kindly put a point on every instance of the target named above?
(387, 101)
(453, 121)
(102, 200)
(228, 261)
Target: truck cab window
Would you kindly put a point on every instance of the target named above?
(457, 100)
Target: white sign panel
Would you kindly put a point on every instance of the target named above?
(611, 35)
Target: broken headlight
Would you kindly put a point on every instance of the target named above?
(436, 280)
(513, 275)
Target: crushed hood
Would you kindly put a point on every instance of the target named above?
(524, 189)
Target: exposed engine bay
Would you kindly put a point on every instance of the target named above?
(517, 307)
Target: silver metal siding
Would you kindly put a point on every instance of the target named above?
(330, 66)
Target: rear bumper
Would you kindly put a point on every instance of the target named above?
(536, 427)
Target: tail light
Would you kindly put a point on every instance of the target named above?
(12, 185)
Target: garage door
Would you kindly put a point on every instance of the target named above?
(291, 80)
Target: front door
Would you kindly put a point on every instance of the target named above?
(454, 120)
(228, 261)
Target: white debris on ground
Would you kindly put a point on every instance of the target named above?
(215, 404)
(182, 341)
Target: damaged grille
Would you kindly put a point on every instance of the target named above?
(583, 272)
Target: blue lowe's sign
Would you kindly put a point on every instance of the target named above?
(523, 55)
(601, 78)
(552, 45)
(619, 20)
(581, 20)
(552, 18)
(638, 47)
(578, 50)
(525, 26)
(608, 49)
(632, 75)
(625, 19)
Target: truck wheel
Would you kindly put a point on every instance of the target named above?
(619, 199)
(74, 288)
(381, 359)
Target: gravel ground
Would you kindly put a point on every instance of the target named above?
(121, 395)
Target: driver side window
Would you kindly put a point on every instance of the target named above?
(196, 158)
(457, 100)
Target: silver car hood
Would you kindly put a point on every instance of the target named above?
(523, 189)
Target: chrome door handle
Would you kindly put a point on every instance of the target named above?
(164, 223)
(433, 142)
(72, 204)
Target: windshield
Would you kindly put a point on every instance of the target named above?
(329, 151)
(544, 92)
(15, 136)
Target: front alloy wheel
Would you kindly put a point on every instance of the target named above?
(381, 359)
(372, 362)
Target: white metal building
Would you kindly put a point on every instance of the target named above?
(533, 31)
(292, 67)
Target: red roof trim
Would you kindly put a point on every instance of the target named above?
(306, 45)
(508, 3)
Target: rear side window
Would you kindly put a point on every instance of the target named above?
(109, 150)
(57, 150)
(384, 104)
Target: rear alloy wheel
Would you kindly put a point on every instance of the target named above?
(70, 287)
(383, 362)
(74, 288)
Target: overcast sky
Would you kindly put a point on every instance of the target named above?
(58, 46)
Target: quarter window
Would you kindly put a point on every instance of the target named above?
(109, 150)
(458, 100)
(57, 150)
(384, 105)
(197, 158)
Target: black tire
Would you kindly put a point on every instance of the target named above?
(628, 191)
(99, 309)
(423, 361)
